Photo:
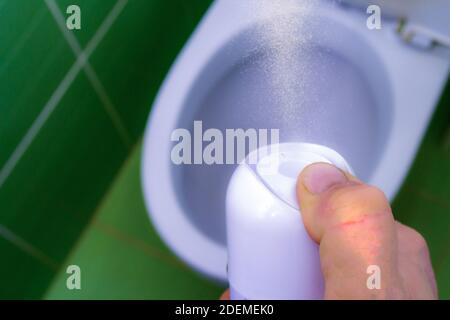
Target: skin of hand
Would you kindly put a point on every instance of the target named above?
(353, 224)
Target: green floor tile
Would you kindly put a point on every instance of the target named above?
(125, 209)
(134, 57)
(111, 269)
(57, 184)
(93, 13)
(34, 59)
(121, 256)
(22, 276)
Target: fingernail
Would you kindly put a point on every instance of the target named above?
(320, 177)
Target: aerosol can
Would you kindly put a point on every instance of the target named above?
(270, 254)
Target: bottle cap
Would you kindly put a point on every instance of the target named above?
(278, 166)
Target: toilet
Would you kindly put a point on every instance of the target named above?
(367, 93)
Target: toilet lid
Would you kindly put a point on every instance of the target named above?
(430, 16)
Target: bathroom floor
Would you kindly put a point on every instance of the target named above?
(121, 256)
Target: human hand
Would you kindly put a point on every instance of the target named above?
(353, 224)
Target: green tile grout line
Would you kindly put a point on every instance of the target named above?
(28, 248)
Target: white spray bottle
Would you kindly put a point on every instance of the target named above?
(270, 254)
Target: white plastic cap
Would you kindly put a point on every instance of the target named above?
(270, 254)
(278, 166)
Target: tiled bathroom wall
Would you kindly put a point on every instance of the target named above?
(72, 106)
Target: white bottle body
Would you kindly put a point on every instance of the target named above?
(270, 254)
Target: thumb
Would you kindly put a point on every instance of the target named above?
(354, 226)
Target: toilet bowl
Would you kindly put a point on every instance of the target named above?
(366, 93)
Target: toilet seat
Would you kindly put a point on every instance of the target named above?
(414, 79)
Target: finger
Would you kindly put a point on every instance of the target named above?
(355, 228)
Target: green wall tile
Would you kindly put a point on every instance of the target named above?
(135, 56)
(34, 57)
(57, 184)
(22, 276)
